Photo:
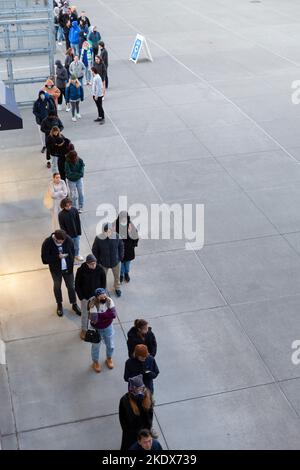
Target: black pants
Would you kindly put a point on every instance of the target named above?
(98, 102)
(48, 154)
(69, 282)
(62, 93)
(106, 81)
(95, 51)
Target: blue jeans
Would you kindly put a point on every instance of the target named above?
(88, 74)
(54, 164)
(76, 241)
(106, 335)
(76, 192)
(60, 34)
(125, 267)
(76, 48)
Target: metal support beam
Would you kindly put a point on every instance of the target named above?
(17, 53)
(23, 81)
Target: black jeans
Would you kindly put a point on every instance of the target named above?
(106, 81)
(62, 94)
(98, 102)
(69, 282)
(95, 51)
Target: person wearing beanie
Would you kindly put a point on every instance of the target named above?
(102, 313)
(69, 221)
(61, 82)
(52, 90)
(41, 107)
(74, 94)
(141, 333)
(109, 251)
(58, 253)
(89, 277)
(135, 411)
(141, 363)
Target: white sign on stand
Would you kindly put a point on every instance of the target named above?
(139, 43)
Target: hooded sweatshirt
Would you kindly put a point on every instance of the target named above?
(74, 33)
(52, 90)
(61, 75)
(41, 107)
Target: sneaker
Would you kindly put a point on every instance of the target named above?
(121, 278)
(82, 334)
(60, 310)
(79, 258)
(97, 120)
(43, 149)
(59, 107)
(48, 165)
(96, 366)
(76, 309)
(68, 108)
(78, 116)
(59, 43)
(118, 293)
(80, 210)
(127, 278)
(109, 363)
(74, 119)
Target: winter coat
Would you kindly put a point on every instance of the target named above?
(74, 93)
(58, 192)
(104, 56)
(56, 149)
(85, 20)
(47, 124)
(74, 171)
(108, 251)
(129, 243)
(52, 90)
(74, 33)
(61, 76)
(50, 254)
(101, 69)
(69, 221)
(77, 69)
(130, 423)
(41, 108)
(94, 38)
(133, 339)
(102, 315)
(68, 61)
(88, 280)
(134, 367)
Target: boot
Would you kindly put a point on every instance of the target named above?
(109, 363)
(96, 366)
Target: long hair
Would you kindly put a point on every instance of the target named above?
(147, 402)
(55, 129)
(139, 324)
(72, 157)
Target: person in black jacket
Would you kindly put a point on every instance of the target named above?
(141, 333)
(141, 363)
(109, 251)
(61, 82)
(58, 252)
(41, 107)
(69, 221)
(135, 411)
(47, 124)
(89, 277)
(59, 146)
(127, 231)
(100, 67)
(104, 56)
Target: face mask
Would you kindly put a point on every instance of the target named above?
(43, 97)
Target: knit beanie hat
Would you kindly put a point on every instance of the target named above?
(135, 382)
(100, 291)
(91, 259)
(141, 350)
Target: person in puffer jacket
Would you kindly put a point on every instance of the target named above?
(102, 313)
(74, 94)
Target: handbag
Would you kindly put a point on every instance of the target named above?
(48, 201)
(92, 335)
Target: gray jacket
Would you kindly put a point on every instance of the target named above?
(77, 69)
(61, 76)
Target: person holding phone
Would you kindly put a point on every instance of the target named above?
(141, 363)
(58, 252)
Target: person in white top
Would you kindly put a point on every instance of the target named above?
(98, 91)
(57, 191)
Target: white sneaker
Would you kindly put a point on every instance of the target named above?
(79, 258)
(59, 43)
(59, 107)
(78, 116)
(74, 119)
(68, 108)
